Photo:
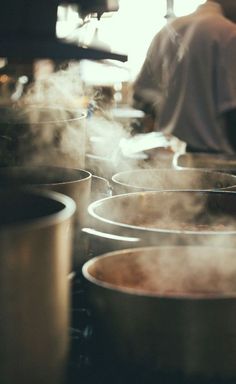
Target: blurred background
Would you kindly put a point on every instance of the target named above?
(140, 21)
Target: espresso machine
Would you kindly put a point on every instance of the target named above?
(28, 33)
(28, 30)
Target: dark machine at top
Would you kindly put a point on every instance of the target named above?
(28, 30)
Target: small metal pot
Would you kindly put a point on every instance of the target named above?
(166, 179)
(35, 245)
(167, 310)
(42, 136)
(214, 162)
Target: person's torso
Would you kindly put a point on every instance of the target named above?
(189, 56)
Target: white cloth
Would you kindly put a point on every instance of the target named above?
(190, 75)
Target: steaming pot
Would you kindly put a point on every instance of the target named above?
(166, 179)
(35, 246)
(181, 217)
(184, 328)
(42, 135)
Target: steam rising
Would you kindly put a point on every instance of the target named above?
(61, 88)
(68, 123)
(164, 218)
(170, 210)
(59, 125)
(53, 115)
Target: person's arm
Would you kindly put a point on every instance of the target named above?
(143, 91)
(144, 97)
(146, 91)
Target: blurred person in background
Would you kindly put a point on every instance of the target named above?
(187, 83)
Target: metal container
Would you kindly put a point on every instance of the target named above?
(35, 245)
(42, 136)
(180, 217)
(75, 183)
(168, 310)
(216, 162)
(166, 179)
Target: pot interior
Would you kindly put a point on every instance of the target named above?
(27, 207)
(166, 271)
(181, 211)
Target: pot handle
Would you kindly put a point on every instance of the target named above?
(100, 188)
(175, 159)
(101, 242)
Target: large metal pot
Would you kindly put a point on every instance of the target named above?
(35, 246)
(163, 217)
(167, 310)
(166, 179)
(75, 183)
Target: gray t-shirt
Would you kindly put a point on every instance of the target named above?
(189, 74)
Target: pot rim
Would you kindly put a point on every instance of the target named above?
(81, 116)
(227, 165)
(87, 174)
(67, 212)
(115, 177)
(92, 212)
(144, 293)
